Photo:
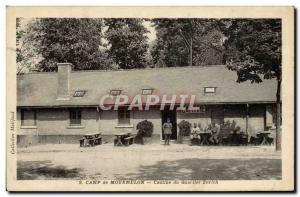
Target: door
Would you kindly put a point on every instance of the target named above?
(217, 114)
(172, 115)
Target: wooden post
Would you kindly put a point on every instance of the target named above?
(278, 117)
(191, 51)
(247, 117)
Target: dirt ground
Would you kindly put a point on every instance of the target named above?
(148, 162)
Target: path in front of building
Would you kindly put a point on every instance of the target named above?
(148, 162)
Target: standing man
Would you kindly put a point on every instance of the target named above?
(167, 127)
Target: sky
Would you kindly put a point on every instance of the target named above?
(152, 33)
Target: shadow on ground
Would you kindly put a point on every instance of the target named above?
(44, 170)
(183, 169)
(210, 169)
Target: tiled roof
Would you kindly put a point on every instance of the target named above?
(40, 89)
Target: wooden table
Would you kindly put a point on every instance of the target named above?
(119, 141)
(264, 136)
(91, 139)
(204, 138)
(91, 135)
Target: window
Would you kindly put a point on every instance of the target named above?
(124, 117)
(147, 91)
(75, 117)
(28, 117)
(115, 92)
(79, 93)
(209, 90)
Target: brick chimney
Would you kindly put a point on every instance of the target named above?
(63, 80)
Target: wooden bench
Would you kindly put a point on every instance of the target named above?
(98, 140)
(128, 140)
(244, 140)
(225, 140)
(81, 142)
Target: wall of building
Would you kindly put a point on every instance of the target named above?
(108, 123)
(257, 114)
(56, 122)
(217, 113)
(52, 125)
(203, 118)
(153, 116)
(238, 114)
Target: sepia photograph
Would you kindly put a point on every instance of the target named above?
(150, 102)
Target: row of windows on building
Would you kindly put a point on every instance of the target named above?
(207, 90)
(81, 93)
(29, 117)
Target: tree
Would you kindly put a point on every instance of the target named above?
(27, 56)
(253, 50)
(71, 40)
(127, 41)
(185, 41)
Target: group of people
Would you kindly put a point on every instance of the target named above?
(212, 128)
(195, 136)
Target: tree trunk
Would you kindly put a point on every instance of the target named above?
(278, 117)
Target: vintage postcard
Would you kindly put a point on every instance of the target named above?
(150, 98)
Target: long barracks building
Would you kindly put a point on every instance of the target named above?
(60, 107)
